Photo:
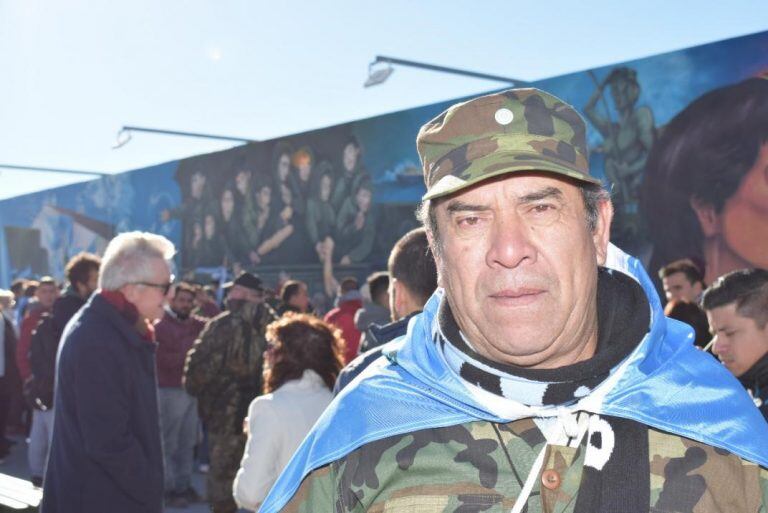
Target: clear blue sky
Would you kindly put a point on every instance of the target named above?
(73, 72)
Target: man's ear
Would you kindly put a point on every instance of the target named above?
(709, 220)
(602, 234)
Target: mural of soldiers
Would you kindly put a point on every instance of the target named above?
(281, 163)
(246, 203)
(223, 370)
(355, 226)
(321, 217)
(352, 173)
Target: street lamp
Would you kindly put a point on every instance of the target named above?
(124, 135)
(378, 76)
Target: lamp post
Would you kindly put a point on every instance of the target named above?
(378, 76)
(124, 135)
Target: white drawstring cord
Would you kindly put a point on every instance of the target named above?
(568, 426)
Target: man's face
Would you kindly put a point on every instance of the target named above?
(239, 292)
(46, 294)
(739, 342)
(677, 287)
(183, 303)
(149, 299)
(519, 267)
(87, 288)
(301, 299)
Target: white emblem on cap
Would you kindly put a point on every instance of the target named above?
(504, 116)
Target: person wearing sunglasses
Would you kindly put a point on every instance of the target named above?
(106, 453)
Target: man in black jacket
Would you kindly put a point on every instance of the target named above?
(413, 278)
(106, 454)
(737, 309)
(82, 274)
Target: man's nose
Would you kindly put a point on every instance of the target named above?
(511, 243)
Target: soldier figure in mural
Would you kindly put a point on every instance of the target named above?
(352, 173)
(231, 226)
(626, 145)
(321, 216)
(303, 161)
(193, 208)
(355, 227)
(223, 370)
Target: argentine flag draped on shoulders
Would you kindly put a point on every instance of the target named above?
(665, 383)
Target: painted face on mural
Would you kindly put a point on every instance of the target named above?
(349, 157)
(227, 204)
(210, 226)
(363, 199)
(325, 188)
(305, 169)
(283, 166)
(196, 185)
(264, 198)
(745, 215)
(242, 180)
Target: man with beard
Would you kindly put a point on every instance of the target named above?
(223, 370)
(175, 333)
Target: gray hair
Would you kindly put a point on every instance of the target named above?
(127, 256)
(592, 194)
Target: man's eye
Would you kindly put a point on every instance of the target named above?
(469, 221)
(543, 208)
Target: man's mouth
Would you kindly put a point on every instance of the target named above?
(517, 297)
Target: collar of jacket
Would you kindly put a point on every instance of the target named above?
(664, 383)
(756, 378)
(103, 306)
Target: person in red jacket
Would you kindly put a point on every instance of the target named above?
(175, 333)
(343, 316)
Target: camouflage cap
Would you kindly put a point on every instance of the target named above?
(512, 131)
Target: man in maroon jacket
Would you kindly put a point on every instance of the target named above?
(175, 333)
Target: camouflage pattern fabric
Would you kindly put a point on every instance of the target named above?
(223, 368)
(516, 130)
(481, 467)
(226, 452)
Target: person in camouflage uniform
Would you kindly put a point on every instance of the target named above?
(223, 370)
(542, 375)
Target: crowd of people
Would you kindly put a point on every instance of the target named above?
(509, 356)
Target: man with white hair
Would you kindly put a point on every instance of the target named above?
(106, 452)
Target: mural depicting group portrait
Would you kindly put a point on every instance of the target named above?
(681, 140)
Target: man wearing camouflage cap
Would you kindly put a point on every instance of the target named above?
(542, 375)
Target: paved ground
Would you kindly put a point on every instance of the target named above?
(16, 465)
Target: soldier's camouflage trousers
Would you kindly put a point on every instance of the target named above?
(226, 453)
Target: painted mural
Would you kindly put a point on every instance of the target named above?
(681, 139)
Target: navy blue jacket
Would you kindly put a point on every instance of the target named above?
(106, 453)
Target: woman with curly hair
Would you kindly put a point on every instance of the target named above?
(300, 369)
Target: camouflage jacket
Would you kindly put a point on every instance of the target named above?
(223, 368)
(482, 466)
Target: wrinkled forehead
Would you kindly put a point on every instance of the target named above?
(514, 188)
